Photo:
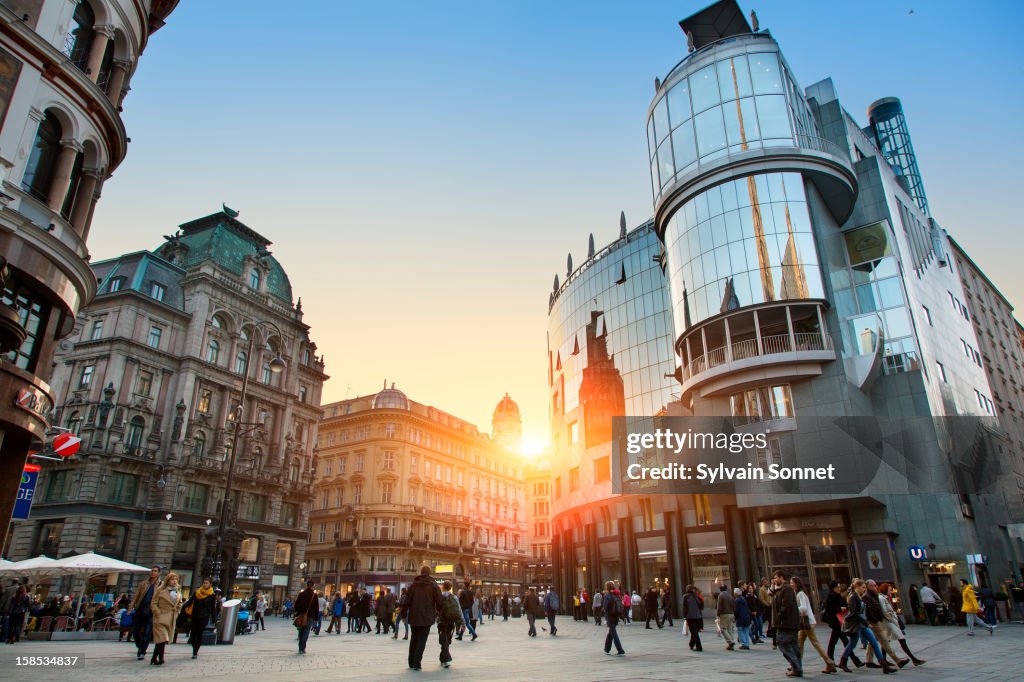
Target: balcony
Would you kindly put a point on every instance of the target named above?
(766, 343)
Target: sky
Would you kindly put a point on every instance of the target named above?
(423, 169)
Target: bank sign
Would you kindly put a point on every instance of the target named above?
(27, 489)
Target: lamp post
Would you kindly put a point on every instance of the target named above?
(277, 366)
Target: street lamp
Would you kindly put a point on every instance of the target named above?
(277, 365)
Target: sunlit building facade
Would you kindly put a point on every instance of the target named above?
(401, 484)
(65, 68)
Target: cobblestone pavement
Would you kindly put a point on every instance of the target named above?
(504, 652)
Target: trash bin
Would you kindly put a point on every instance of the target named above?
(228, 621)
(209, 634)
(517, 611)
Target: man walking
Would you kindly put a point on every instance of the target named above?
(420, 610)
(598, 602)
(930, 601)
(651, 604)
(259, 606)
(551, 605)
(307, 612)
(466, 603)
(786, 621)
(726, 610)
(612, 611)
(143, 618)
(531, 605)
(448, 617)
(666, 608)
(504, 606)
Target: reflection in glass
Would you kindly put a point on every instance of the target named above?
(710, 131)
(765, 73)
(704, 89)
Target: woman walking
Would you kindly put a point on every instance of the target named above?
(893, 620)
(165, 606)
(693, 614)
(807, 623)
(971, 609)
(857, 627)
(201, 606)
(834, 607)
(19, 608)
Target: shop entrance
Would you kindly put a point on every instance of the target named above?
(816, 557)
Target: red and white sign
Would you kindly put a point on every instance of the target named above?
(66, 444)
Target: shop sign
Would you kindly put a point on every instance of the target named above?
(918, 553)
(977, 559)
(247, 572)
(34, 401)
(27, 489)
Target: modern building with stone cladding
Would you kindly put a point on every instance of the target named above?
(150, 379)
(806, 277)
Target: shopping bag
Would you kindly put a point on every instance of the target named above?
(686, 628)
(718, 627)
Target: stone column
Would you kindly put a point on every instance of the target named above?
(118, 77)
(62, 174)
(82, 209)
(97, 192)
(101, 36)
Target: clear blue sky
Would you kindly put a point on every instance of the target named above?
(423, 168)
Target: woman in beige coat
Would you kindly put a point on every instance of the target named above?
(165, 606)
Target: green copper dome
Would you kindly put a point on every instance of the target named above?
(235, 247)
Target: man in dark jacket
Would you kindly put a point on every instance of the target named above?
(421, 607)
(309, 604)
(365, 610)
(612, 607)
(504, 606)
(390, 602)
(666, 608)
(786, 620)
(143, 618)
(651, 604)
(466, 604)
(532, 607)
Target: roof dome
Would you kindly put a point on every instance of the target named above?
(506, 406)
(390, 399)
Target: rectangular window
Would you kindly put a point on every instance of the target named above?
(283, 554)
(154, 336)
(602, 470)
(386, 492)
(359, 462)
(85, 379)
(144, 384)
(110, 540)
(256, 507)
(121, 488)
(58, 485)
(342, 462)
(157, 291)
(205, 398)
(389, 461)
(357, 494)
(574, 433)
(289, 514)
(97, 330)
(574, 478)
(321, 534)
(558, 487)
(195, 497)
(942, 372)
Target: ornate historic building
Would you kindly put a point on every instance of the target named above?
(400, 484)
(538, 489)
(65, 68)
(151, 380)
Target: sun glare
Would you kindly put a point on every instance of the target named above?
(533, 446)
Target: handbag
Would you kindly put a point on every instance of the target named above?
(805, 623)
(300, 621)
(127, 619)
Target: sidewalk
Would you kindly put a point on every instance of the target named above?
(504, 652)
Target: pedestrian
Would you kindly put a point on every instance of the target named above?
(1017, 595)
(576, 606)
(875, 612)
(858, 627)
(584, 604)
(142, 618)
(551, 606)
(666, 608)
(627, 607)
(914, 595)
(504, 606)
(402, 598)
(726, 610)
(18, 610)
(259, 606)
(475, 614)
(743, 618)
(756, 616)
(365, 610)
(971, 609)
(693, 614)
(612, 609)
(532, 607)
(956, 603)
(421, 607)
(165, 605)
(597, 602)
(786, 620)
(380, 612)
(6, 598)
(337, 610)
(307, 612)
(835, 605)
(201, 608)
(466, 604)
(651, 606)
(930, 600)
(764, 595)
(288, 608)
(807, 623)
(987, 600)
(448, 617)
(896, 628)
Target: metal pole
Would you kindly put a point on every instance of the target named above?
(225, 509)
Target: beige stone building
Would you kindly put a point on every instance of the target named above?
(401, 484)
(538, 487)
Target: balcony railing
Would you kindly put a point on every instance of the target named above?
(770, 345)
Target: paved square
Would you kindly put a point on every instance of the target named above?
(504, 652)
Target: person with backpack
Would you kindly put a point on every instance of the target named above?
(612, 607)
(551, 605)
(598, 603)
(421, 611)
(449, 616)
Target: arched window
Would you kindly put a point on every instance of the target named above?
(75, 423)
(254, 279)
(43, 158)
(80, 35)
(213, 351)
(216, 322)
(240, 362)
(199, 445)
(135, 428)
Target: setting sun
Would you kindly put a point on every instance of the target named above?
(533, 445)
